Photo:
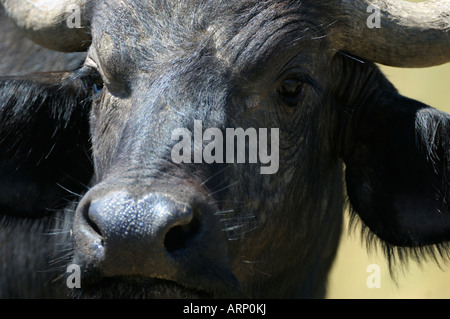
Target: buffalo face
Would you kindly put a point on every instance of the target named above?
(172, 210)
(219, 228)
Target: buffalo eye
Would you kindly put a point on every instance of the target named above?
(91, 74)
(97, 87)
(98, 83)
(290, 92)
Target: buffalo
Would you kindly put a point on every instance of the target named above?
(93, 111)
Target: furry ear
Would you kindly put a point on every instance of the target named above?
(397, 158)
(44, 142)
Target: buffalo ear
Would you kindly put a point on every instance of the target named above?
(44, 142)
(397, 160)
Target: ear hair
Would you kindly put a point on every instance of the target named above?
(44, 140)
(397, 257)
(397, 156)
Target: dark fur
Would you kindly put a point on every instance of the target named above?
(39, 179)
(396, 136)
(211, 61)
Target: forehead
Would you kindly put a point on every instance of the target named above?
(164, 31)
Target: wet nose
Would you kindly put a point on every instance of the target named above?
(130, 230)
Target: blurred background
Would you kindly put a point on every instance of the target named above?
(348, 277)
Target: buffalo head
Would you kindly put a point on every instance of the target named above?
(296, 84)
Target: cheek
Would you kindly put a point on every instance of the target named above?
(107, 122)
(103, 152)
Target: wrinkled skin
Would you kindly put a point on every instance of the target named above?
(224, 230)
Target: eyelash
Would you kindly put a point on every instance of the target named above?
(91, 78)
(291, 91)
(306, 83)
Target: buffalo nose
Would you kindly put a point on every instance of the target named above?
(138, 233)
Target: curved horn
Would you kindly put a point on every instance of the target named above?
(408, 34)
(56, 24)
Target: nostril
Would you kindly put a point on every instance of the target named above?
(94, 226)
(91, 216)
(178, 237)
